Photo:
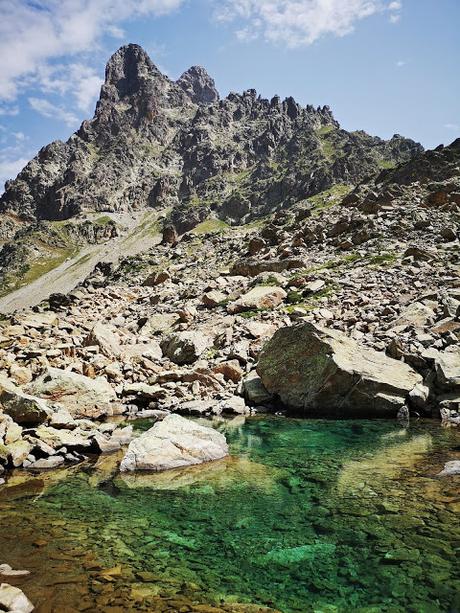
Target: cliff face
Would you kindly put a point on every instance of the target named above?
(155, 142)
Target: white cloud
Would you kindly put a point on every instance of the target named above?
(19, 136)
(299, 22)
(81, 81)
(9, 168)
(401, 63)
(52, 111)
(34, 33)
(9, 110)
(452, 126)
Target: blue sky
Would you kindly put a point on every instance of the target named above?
(385, 66)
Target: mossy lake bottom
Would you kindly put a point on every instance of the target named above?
(304, 516)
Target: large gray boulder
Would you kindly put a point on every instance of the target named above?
(322, 371)
(172, 443)
(80, 395)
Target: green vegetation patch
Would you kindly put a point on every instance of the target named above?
(210, 226)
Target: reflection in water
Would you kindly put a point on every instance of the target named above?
(305, 516)
(375, 468)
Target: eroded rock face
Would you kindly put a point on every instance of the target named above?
(318, 370)
(172, 443)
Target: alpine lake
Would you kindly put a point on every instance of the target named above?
(303, 516)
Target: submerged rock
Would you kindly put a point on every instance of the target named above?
(450, 469)
(14, 600)
(172, 443)
(319, 370)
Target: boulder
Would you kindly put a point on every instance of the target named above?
(255, 391)
(22, 407)
(172, 443)
(213, 298)
(71, 439)
(47, 463)
(108, 443)
(185, 347)
(416, 314)
(231, 370)
(158, 323)
(20, 374)
(151, 351)
(447, 366)
(18, 451)
(80, 395)
(322, 371)
(259, 297)
(103, 336)
(13, 599)
(38, 321)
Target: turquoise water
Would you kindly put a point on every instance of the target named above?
(306, 515)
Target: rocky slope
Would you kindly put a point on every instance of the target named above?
(156, 143)
(358, 288)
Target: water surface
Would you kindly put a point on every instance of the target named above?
(305, 516)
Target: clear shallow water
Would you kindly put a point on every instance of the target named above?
(306, 515)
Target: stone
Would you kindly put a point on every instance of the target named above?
(185, 347)
(18, 451)
(252, 267)
(62, 419)
(450, 469)
(213, 298)
(39, 320)
(143, 390)
(173, 443)
(7, 571)
(255, 391)
(151, 351)
(71, 439)
(157, 278)
(119, 438)
(416, 314)
(47, 463)
(231, 370)
(104, 337)
(80, 395)
(314, 286)
(235, 405)
(13, 432)
(418, 396)
(198, 407)
(20, 374)
(322, 371)
(447, 367)
(159, 323)
(259, 297)
(23, 408)
(14, 600)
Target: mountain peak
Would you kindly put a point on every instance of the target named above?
(127, 69)
(197, 83)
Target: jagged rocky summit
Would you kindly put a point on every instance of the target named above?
(154, 142)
